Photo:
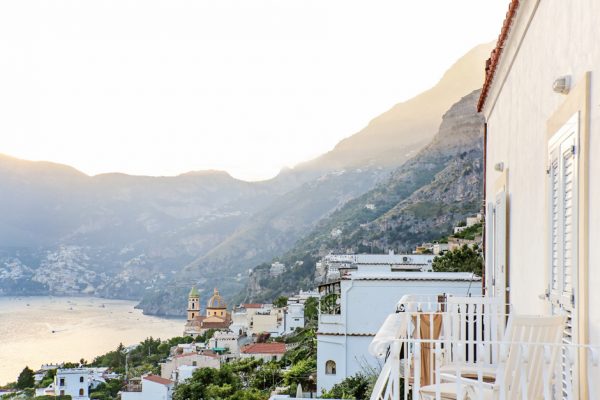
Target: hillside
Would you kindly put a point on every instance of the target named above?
(420, 201)
(353, 167)
(115, 235)
(63, 232)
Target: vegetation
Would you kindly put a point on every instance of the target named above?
(330, 304)
(142, 358)
(64, 397)
(25, 379)
(471, 232)
(356, 387)
(463, 259)
(107, 391)
(251, 379)
(281, 301)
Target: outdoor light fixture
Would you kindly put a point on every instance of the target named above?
(499, 166)
(562, 84)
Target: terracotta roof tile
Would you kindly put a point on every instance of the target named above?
(158, 379)
(252, 305)
(492, 63)
(185, 355)
(264, 348)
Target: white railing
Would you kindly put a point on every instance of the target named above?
(462, 348)
(525, 370)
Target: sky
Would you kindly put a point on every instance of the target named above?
(162, 87)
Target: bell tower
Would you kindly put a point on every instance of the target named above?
(193, 304)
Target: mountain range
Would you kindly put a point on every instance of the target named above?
(63, 232)
(420, 201)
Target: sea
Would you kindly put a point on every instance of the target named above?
(42, 330)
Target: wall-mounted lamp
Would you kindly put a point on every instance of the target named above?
(499, 166)
(562, 84)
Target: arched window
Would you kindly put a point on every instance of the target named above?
(330, 367)
(81, 379)
(81, 392)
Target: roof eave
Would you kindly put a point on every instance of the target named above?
(492, 63)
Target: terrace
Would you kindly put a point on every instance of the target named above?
(442, 348)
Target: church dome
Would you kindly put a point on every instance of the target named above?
(216, 301)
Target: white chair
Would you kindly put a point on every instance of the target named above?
(478, 323)
(527, 357)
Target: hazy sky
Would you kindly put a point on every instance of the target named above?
(161, 87)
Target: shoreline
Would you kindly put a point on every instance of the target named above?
(68, 328)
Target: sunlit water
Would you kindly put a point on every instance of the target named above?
(83, 328)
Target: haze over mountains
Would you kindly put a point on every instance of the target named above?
(115, 235)
(420, 201)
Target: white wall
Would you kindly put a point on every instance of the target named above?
(200, 360)
(350, 354)
(156, 391)
(562, 39)
(267, 357)
(294, 317)
(72, 383)
(364, 306)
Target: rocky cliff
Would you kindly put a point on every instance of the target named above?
(420, 201)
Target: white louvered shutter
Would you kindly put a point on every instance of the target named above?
(489, 249)
(499, 246)
(563, 224)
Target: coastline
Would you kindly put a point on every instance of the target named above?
(66, 329)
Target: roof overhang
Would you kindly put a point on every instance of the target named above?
(492, 63)
(516, 24)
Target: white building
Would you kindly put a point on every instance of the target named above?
(540, 100)
(293, 317)
(353, 308)
(151, 387)
(459, 229)
(74, 382)
(302, 296)
(439, 248)
(205, 359)
(333, 265)
(227, 340)
(184, 373)
(254, 319)
(264, 351)
(276, 269)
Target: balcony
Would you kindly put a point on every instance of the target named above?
(476, 348)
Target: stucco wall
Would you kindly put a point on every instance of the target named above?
(561, 40)
(364, 306)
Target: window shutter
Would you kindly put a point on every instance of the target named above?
(499, 246)
(554, 176)
(489, 248)
(563, 229)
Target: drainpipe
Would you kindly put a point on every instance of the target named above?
(483, 247)
(345, 296)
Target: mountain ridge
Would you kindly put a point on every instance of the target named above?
(120, 235)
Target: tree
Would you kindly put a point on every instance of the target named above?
(306, 346)
(311, 311)
(266, 377)
(209, 383)
(107, 390)
(463, 259)
(358, 386)
(25, 379)
(281, 301)
(300, 373)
